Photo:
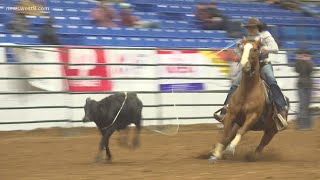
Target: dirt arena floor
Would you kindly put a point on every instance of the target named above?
(69, 154)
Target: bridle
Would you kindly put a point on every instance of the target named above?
(256, 47)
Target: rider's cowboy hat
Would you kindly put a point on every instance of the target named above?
(252, 22)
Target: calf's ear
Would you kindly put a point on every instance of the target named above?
(88, 100)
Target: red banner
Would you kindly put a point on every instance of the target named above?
(86, 56)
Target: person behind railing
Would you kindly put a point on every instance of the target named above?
(304, 68)
(129, 20)
(104, 14)
(48, 33)
(19, 24)
(210, 17)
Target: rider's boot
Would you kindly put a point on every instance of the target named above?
(282, 119)
(223, 111)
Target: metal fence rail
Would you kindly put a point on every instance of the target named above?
(131, 79)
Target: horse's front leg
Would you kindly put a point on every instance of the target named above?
(249, 122)
(235, 129)
(219, 148)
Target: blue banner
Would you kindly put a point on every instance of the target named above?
(182, 87)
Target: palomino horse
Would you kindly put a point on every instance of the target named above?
(249, 108)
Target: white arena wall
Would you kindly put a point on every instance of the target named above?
(126, 56)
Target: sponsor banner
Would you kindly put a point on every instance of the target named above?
(86, 56)
(182, 87)
(222, 58)
(41, 55)
(179, 57)
(185, 71)
(132, 71)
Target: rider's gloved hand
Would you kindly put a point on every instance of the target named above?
(264, 53)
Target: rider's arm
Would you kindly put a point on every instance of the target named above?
(239, 49)
(270, 44)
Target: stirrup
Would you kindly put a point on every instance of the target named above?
(218, 116)
(281, 123)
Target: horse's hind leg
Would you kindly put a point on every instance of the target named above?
(267, 137)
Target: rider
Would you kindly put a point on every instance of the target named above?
(257, 30)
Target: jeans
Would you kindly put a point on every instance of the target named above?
(268, 76)
(304, 117)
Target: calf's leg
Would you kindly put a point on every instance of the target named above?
(104, 142)
(123, 140)
(136, 140)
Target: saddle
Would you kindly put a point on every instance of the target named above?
(267, 92)
(269, 101)
(275, 117)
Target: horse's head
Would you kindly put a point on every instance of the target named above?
(250, 56)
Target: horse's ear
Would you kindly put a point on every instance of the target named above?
(244, 40)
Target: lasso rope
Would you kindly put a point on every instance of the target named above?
(228, 46)
(177, 118)
(115, 118)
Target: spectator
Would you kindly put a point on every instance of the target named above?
(201, 12)
(271, 1)
(30, 7)
(290, 4)
(104, 15)
(19, 24)
(48, 34)
(210, 17)
(129, 20)
(304, 67)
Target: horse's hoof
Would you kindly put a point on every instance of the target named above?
(212, 159)
(251, 157)
(123, 144)
(136, 144)
(108, 160)
(98, 158)
(229, 150)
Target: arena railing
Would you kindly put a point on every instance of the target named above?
(36, 47)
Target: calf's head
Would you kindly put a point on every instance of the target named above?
(90, 110)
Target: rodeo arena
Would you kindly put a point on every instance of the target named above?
(159, 89)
